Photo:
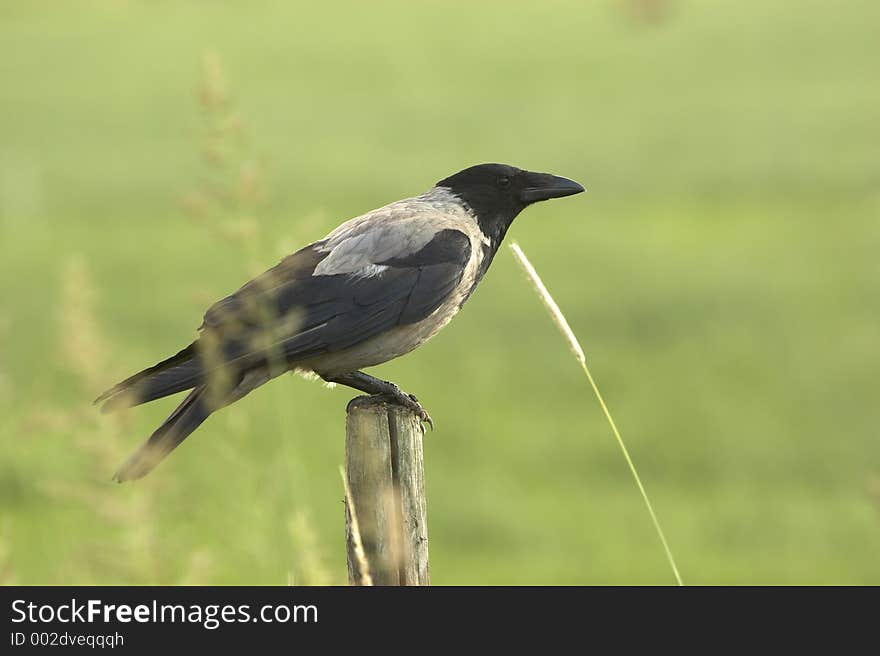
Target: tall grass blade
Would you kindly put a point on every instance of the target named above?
(360, 554)
(578, 352)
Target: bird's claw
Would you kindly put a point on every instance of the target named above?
(410, 402)
(423, 415)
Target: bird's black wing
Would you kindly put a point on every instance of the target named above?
(295, 314)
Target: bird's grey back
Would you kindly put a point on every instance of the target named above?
(394, 231)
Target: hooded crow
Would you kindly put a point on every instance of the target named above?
(375, 288)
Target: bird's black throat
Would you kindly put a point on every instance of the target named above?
(494, 228)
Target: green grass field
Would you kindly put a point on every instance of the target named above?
(721, 271)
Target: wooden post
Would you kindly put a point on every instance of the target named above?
(385, 471)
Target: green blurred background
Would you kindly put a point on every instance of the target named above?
(722, 273)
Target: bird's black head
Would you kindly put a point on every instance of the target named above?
(497, 193)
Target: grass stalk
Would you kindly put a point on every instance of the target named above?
(363, 565)
(575, 346)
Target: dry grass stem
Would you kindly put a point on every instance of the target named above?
(575, 347)
(361, 555)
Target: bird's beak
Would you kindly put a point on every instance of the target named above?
(543, 186)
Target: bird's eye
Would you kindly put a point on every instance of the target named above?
(503, 181)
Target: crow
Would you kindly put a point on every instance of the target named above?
(375, 288)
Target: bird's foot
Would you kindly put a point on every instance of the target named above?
(382, 390)
(410, 402)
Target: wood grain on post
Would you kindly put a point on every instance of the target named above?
(384, 466)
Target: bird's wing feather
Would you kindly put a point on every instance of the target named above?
(252, 300)
(305, 306)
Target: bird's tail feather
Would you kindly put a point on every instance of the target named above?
(188, 416)
(180, 372)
